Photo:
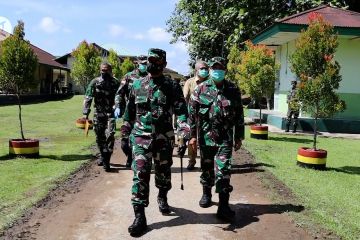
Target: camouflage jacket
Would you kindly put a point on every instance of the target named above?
(292, 100)
(103, 93)
(152, 101)
(122, 94)
(216, 111)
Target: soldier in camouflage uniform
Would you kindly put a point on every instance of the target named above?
(293, 108)
(122, 95)
(216, 105)
(102, 89)
(148, 116)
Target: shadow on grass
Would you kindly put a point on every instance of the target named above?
(346, 169)
(249, 168)
(246, 214)
(71, 157)
(290, 139)
(68, 158)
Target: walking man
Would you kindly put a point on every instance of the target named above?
(102, 89)
(201, 74)
(216, 106)
(148, 117)
(122, 96)
(293, 108)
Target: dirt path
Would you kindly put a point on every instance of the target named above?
(96, 205)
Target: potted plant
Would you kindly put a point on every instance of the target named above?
(319, 74)
(18, 63)
(258, 72)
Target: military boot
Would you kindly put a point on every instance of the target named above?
(294, 129)
(164, 207)
(99, 161)
(205, 200)
(139, 225)
(287, 129)
(129, 161)
(106, 161)
(224, 212)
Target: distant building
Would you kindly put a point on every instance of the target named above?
(281, 37)
(47, 71)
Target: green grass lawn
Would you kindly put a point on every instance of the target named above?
(333, 196)
(63, 148)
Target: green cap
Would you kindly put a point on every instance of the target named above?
(157, 53)
(218, 60)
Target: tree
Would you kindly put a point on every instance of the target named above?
(114, 60)
(18, 63)
(209, 25)
(86, 64)
(319, 73)
(257, 72)
(126, 66)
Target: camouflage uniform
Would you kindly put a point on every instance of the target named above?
(122, 95)
(218, 111)
(103, 93)
(148, 116)
(293, 108)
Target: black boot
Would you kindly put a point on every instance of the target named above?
(139, 225)
(106, 161)
(294, 129)
(99, 161)
(164, 207)
(287, 129)
(129, 161)
(224, 212)
(205, 200)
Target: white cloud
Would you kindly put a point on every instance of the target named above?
(158, 34)
(116, 30)
(181, 46)
(139, 36)
(49, 25)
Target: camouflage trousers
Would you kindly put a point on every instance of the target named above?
(216, 167)
(290, 114)
(104, 127)
(161, 151)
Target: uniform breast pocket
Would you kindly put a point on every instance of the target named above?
(142, 105)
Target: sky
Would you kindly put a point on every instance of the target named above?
(130, 27)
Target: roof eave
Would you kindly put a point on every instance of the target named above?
(284, 27)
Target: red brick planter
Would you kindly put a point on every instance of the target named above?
(259, 132)
(310, 158)
(24, 148)
(80, 123)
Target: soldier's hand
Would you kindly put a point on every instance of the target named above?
(237, 145)
(181, 147)
(193, 144)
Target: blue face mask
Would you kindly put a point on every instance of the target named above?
(142, 68)
(203, 73)
(217, 75)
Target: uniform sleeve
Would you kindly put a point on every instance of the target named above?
(194, 104)
(121, 94)
(89, 95)
(180, 111)
(129, 115)
(239, 117)
(186, 91)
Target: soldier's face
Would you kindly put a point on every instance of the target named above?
(105, 69)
